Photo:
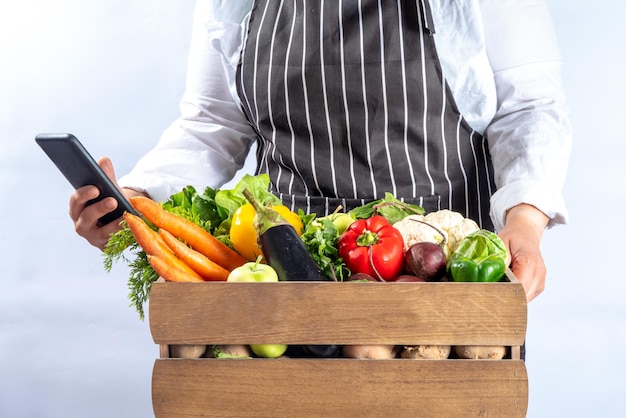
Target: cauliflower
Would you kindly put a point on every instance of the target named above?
(414, 229)
(454, 224)
(442, 225)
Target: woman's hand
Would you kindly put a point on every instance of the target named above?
(85, 218)
(522, 233)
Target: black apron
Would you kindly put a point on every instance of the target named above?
(349, 101)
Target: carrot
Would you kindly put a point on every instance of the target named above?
(194, 235)
(170, 272)
(152, 243)
(197, 261)
(146, 237)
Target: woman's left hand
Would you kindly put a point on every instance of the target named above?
(522, 233)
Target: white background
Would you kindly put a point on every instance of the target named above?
(112, 73)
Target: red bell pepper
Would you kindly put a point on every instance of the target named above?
(373, 246)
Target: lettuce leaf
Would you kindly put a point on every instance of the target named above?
(229, 201)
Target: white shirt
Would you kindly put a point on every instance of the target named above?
(509, 89)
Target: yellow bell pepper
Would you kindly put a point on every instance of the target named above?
(243, 235)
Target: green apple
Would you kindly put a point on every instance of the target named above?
(268, 350)
(253, 271)
(340, 220)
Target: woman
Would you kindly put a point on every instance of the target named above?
(445, 104)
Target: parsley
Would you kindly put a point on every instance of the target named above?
(320, 237)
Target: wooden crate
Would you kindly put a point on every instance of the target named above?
(339, 313)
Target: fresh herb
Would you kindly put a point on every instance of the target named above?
(320, 236)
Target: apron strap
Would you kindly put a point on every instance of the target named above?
(429, 24)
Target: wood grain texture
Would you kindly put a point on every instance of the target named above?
(338, 313)
(339, 388)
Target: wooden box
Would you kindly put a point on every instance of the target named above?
(339, 313)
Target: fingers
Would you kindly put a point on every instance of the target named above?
(530, 270)
(78, 200)
(85, 216)
(527, 263)
(522, 235)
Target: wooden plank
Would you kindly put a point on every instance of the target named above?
(164, 351)
(339, 387)
(516, 352)
(338, 313)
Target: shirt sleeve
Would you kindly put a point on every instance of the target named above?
(208, 143)
(530, 137)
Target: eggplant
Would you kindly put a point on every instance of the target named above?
(286, 253)
(314, 351)
(324, 351)
(282, 247)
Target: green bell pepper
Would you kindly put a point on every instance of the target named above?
(480, 257)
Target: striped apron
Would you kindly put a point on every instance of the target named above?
(348, 100)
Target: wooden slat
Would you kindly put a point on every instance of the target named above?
(339, 388)
(338, 313)
(516, 352)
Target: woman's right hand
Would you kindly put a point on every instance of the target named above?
(85, 218)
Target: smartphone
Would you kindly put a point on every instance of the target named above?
(80, 169)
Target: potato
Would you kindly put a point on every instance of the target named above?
(232, 350)
(480, 352)
(187, 351)
(426, 352)
(370, 352)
